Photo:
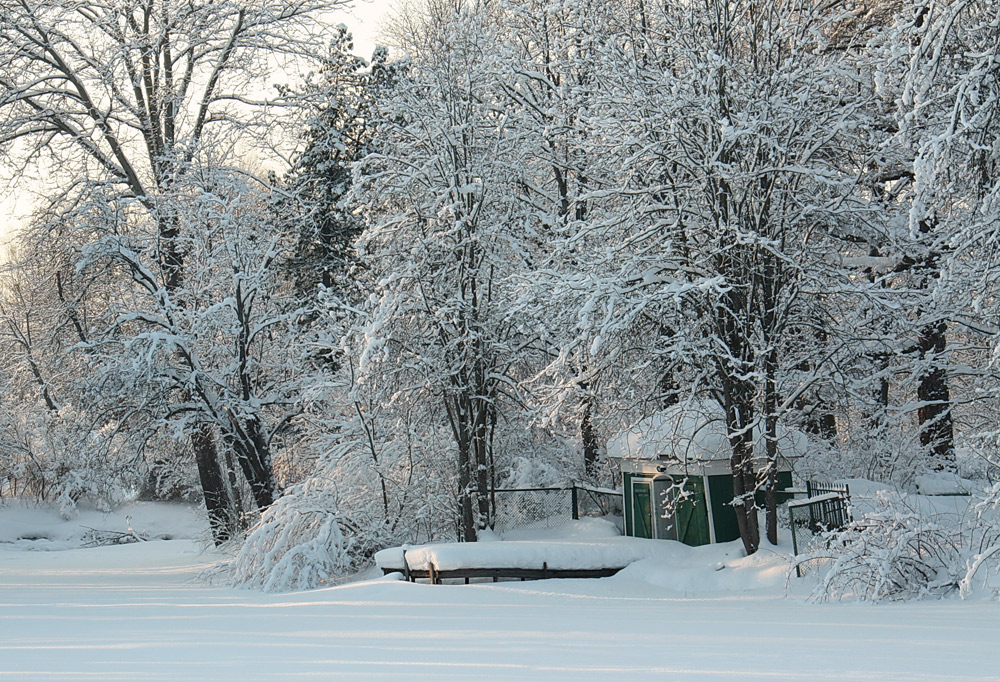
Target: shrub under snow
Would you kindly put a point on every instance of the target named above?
(894, 552)
(298, 543)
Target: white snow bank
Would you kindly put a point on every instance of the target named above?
(590, 544)
(557, 555)
(721, 568)
(943, 483)
(662, 564)
(692, 432)
(136, 613)
(865, 496)
(27, 525)
(585, 528)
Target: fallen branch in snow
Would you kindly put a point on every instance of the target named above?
(96, 537)
(100, 538)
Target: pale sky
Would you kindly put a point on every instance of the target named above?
(362, 20)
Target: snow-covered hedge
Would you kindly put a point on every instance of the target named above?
(299, 543)
(891, 553)
(898, 550)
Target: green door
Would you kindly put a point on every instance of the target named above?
(642, 526)
(691, 516)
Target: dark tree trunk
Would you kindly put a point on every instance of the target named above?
(254, 457)
(468, 519)
(744, 483)
(771, 478)
(480, 448)
(171, 257)
(771, 446)
(458, 415)
(738, 394)
(236, 495)
(591, 448)
(221, 510)
(934, 413)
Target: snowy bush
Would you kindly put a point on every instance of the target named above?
(299, 542)
(64, 458)
(891, 553)
(983, 562)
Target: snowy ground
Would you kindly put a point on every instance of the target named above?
(137, 612)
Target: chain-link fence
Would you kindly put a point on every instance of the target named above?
(524, 508)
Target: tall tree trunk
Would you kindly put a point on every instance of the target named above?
(222, 516)
(771, 445)
(222, 511)
(481, 410)
(457, 408)
(591, 448)
(254, 457)
(480, 448)
(467, 532)
(738, 394)
(744, 477)
(770, 287)
(934, 414)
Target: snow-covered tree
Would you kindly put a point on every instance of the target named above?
(728, 125)
(121, 103)
(438, 193)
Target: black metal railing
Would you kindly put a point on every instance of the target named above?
(825, 507)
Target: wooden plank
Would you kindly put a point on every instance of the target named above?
(436, 576)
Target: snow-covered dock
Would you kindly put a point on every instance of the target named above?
(589, 548)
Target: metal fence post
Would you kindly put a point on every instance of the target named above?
(575, 501)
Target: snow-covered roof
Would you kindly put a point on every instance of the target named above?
(693, 431)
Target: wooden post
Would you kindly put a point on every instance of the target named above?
(574, 500)
(545, 568)
(406, 569)
(432, 573)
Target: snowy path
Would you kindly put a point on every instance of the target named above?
(132, 613)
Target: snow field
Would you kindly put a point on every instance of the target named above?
(139, 612)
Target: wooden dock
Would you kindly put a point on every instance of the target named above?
(435, 576)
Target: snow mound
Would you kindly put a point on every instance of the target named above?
(26, 525)
(585, 528)
(721, 568)
(589, 544)
(943, 483)
(556, 555)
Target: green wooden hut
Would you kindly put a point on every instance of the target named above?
(677, 481)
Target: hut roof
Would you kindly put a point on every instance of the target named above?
(693, 431)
